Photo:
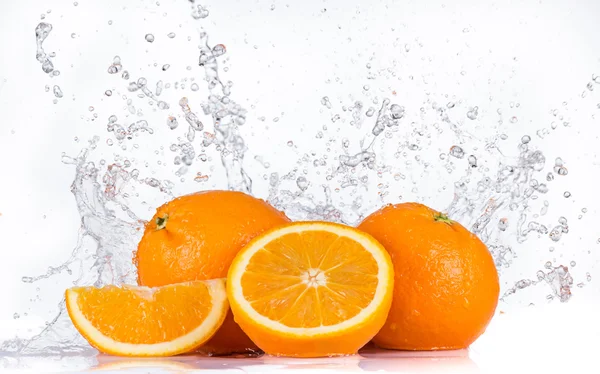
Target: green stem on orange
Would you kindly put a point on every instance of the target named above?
(441, 217)
(161, 222)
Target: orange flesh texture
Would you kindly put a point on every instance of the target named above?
(203, 233)
(446, 283)
(344, 272)
(147, 316)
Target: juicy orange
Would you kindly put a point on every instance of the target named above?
(142, 321)
(311, 289)
(195, 237)
(446, 282)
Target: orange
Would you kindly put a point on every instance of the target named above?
(446, 282)
(195, 237)
(142, 321)
(311, 289)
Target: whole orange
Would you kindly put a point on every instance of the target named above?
(195, 237)
(446, 284)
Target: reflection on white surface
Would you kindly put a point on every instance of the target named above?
(535, 340)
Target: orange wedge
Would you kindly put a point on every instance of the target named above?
(142, 321)
(311, 289)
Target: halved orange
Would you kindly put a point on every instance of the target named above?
(311, 289)
(143, 321)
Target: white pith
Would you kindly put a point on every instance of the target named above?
(200, 334)
(312, 279)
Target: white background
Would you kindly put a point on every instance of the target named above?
(283, 57)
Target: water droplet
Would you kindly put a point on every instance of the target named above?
(302, 183)
(171, 35)
(194, 87)
(396, 111)
(549, 177)
(290, 143)
(562, 170)
(556, 233)
(166, 67)
(450, 105)
(219, 50)
(57, 91)
(572, 263)
(200, 178)
(457, 151)
(108, 93)
(16, 316)
(149, 38)
(472, 161)
(125, 75)
(110, 22)
(172, 123)
(588, 277)
(473, 113)
(514, 119)
(525, 139)
(199, 12)
(567, 194)
(503, 224)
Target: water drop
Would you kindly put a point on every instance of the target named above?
(57, 91)
(567, 194)
(290, 143)
(149, 38)
(16, 316)
(108, 93)
(166, 67)
(199, 12)
(514, 119)
(219, 50)
(172, 123)
(194, 87)
(457, 151)
(396, 111)
(473, 113)
(472, 161)
(125, 75)
(525, 139)
(302, 183)
(502, 224)
(171, 35)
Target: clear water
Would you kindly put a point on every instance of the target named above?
(374, 148)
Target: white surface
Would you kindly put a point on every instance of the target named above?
(555, 339)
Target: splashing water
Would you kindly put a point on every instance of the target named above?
(42, 31)
(500, 201)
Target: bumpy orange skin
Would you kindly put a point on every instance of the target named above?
(446, 285)
(202, 234)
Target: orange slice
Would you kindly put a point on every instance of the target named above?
(142, 321)
(311, 289)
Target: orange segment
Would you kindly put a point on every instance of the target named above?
(142, 321)
(311, 289)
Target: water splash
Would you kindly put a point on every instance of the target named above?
(42, 31)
